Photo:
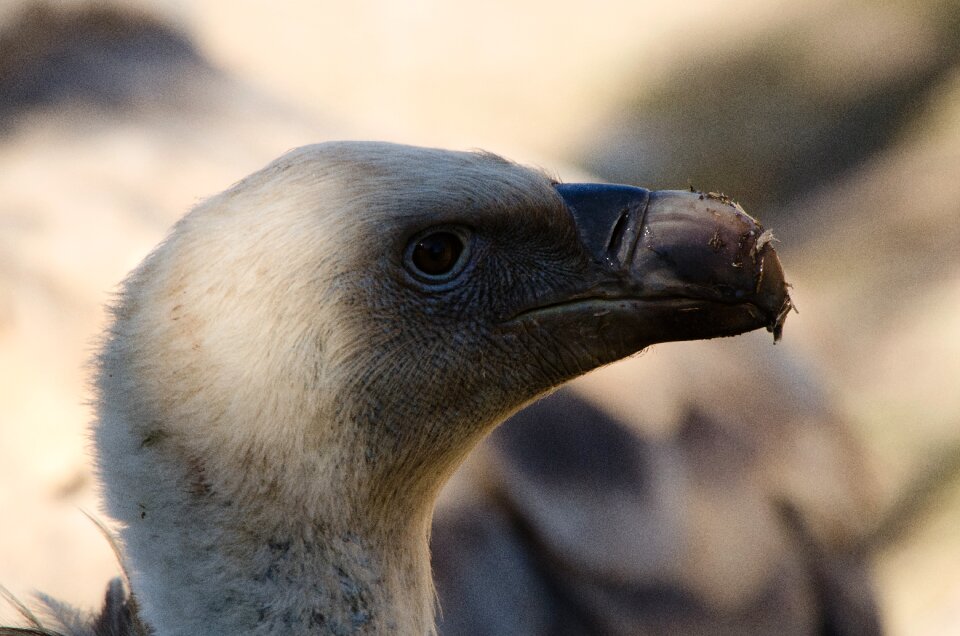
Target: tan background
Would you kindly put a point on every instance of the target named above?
(741, 96)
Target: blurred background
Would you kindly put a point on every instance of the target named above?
(763, 474)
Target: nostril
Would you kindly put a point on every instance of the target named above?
(616, 236)
(626, 232)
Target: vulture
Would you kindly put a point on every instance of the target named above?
(294, 373)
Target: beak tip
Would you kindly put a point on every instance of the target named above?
(717, 249)
(772, 294)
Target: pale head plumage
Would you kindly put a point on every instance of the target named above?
(273, 369)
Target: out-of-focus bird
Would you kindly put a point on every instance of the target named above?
(292, 376)
(718, 494)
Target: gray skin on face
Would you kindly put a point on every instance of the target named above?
(545, 294)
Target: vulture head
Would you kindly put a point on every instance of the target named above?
(293, 374)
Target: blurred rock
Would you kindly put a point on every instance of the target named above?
(769, 118)
(886, 331)
(100, 55)
(879, 264)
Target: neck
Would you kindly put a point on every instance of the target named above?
(275, 546)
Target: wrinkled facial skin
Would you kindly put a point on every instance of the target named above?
(464, 362)
(542, 295)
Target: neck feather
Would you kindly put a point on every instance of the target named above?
(281, 542)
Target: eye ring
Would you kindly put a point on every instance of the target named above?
(439, 254)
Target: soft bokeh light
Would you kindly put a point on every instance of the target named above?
(839, 123)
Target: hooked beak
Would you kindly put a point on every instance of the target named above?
(666, 265)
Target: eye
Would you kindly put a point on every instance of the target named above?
(437, 255)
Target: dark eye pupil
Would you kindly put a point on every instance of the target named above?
(437, 253)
